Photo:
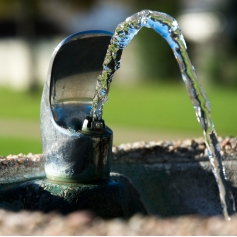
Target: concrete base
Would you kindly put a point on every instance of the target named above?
(115, 197)
(173, 178)
(177, 189)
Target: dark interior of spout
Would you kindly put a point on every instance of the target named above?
(75, 70)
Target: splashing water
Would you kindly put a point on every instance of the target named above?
(168, 28)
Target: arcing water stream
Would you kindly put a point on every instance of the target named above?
(168, 28)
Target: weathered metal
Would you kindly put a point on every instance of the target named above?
(73, 154)
(114, 197)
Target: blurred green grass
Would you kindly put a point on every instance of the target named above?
(20, 104)
(167, 106)
(149, 107)
(15, 145)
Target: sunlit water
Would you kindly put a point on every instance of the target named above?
(168, 28)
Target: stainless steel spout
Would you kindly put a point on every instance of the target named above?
(75, 149)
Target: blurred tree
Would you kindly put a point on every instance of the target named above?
(229, 48)
(24, 13)
(221, 62)
(28, 16)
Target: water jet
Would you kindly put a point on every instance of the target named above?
(77, 145)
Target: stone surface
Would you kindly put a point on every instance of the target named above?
(145, 163)
(17, 168)
(175, 177)
(84, 223)
(171, 151)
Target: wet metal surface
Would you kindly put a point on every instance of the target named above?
(115, 197)
(70, 154)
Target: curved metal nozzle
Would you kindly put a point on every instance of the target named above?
(75, 148)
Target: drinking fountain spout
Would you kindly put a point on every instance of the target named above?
(75, 148)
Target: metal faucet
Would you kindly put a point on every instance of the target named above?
(75, 148)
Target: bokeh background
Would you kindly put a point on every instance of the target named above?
(147, 100)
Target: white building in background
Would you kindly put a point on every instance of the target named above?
(16, 64)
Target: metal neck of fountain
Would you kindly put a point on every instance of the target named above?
(75, 148)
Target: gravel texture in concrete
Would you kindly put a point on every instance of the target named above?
(21, 167)
(84, 223)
